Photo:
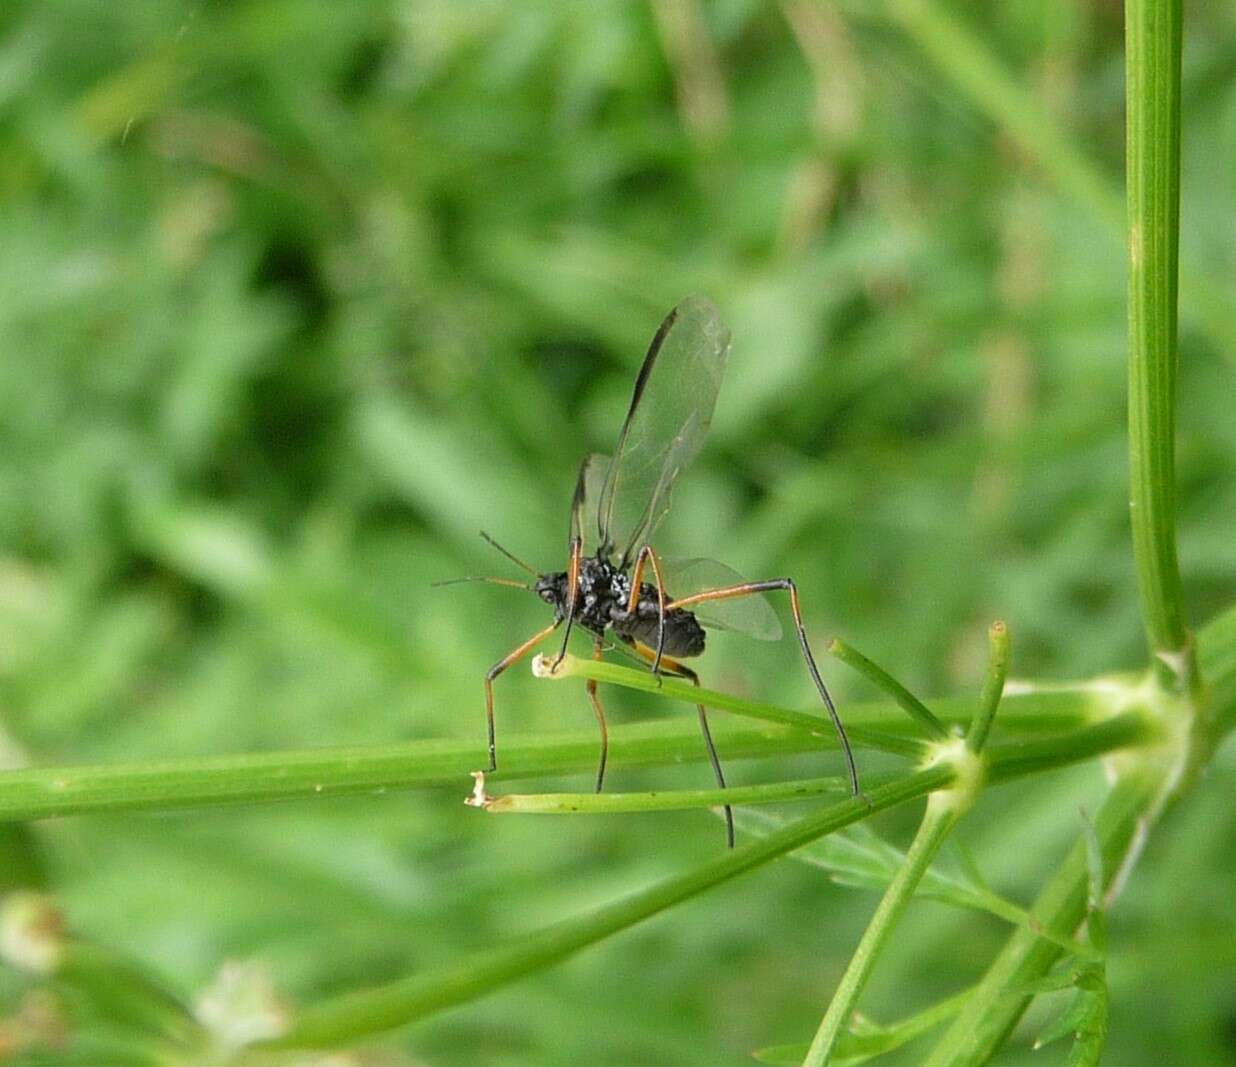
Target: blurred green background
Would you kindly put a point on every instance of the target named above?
(297, 297)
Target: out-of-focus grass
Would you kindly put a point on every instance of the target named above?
(294, 298)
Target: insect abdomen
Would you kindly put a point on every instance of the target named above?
(684, 636)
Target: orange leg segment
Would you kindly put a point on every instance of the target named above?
(600, 714)
(493, 672)
(647, 554)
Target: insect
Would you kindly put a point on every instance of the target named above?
(615, 511)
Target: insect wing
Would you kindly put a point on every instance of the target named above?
(670, 412)
(584, 504)
(752, 615)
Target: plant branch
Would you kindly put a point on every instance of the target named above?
(879, 677)
(359, 1014)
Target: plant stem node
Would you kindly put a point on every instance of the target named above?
(969, 769)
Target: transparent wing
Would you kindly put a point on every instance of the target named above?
(751, 615)
(670, 411)
(584, 504)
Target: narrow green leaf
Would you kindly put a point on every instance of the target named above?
(1070, 1021)
(1096, 919)
(1084, 1016)
(879, 677)
(122, 993)
(1058, 980)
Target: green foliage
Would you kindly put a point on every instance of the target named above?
(296, 297)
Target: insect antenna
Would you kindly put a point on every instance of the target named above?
(492, 581)
(509, 555)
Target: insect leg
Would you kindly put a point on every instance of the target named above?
(600, 713)
(572, 594)
(673, 667)
(497, 669)
(749, 588)
(646, 554)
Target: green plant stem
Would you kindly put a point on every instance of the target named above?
(360, 1014)
(1152, 68)
(997, 1004)
(665, 800)
(876, 674)
(993, 687)
(937, 822)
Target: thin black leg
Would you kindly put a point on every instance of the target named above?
(674, 667)
(750, 588)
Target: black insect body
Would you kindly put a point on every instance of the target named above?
(617, 505)
(601, 604)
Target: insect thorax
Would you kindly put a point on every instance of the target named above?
(602, 594)
(601, 603)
